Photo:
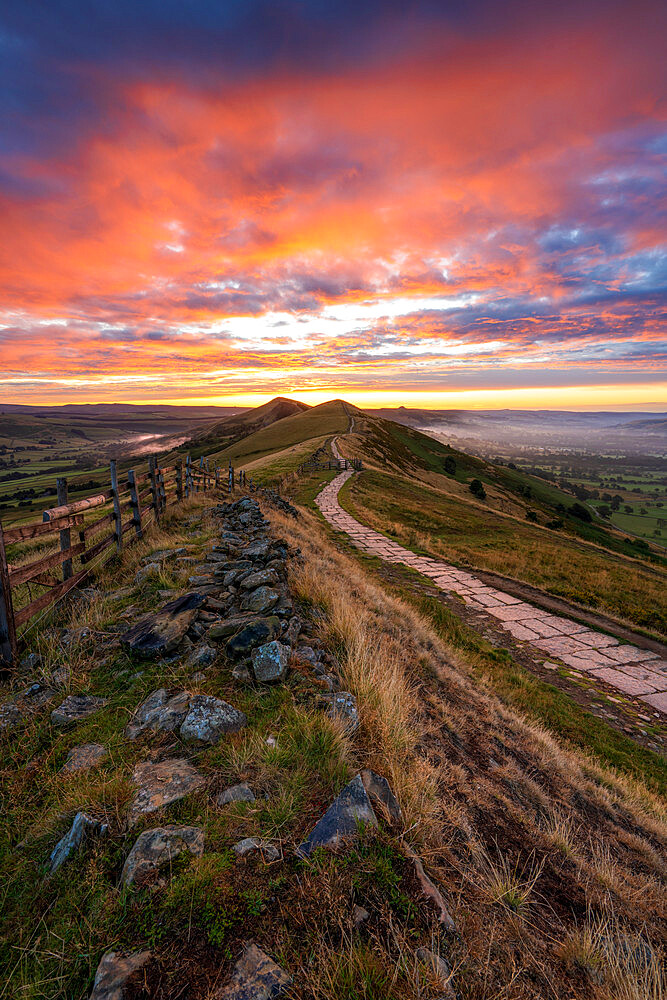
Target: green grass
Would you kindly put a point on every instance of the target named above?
(469, 535)
(318, 422)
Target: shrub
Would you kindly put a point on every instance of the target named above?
(580, 512)
(450, 466)
(477, 489)
(531, 515)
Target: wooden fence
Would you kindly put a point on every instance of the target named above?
(90, 531)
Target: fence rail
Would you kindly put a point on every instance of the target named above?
(132, 503)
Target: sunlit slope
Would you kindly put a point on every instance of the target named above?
(312, 425)
(399, 450)
(253, 419)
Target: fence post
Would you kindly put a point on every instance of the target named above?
(135, 503)
(154, 488)
(188, 476)
(179, 480)
(65, 535)
(230, 475)
(162, 493)
(8, 648)
(118, 517)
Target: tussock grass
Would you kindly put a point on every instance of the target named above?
(510, 820)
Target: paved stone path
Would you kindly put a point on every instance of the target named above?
(636, 672)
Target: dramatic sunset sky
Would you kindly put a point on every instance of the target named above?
(442, 204)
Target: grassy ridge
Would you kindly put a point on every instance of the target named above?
(468, 534)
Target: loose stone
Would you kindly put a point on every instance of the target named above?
(268, 851)
(256, 632)
(159, 712)
(261, 599)
(342, 818)
(161, 782)
(115, 972)
(155, 848)
(270, 661)
(84, 757)
(80, 828)
(160, 634)
(255, 977)
(259, 578)
(344, 708)
(236, 793)
(75, 708)
(209, 718)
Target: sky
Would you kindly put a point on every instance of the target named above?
(401, 203)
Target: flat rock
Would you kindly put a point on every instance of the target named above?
(159, 712)
(228, 626)
(75, 708)
(161, 782)
(257, 550)
(343, 707)
(210, 718)
(82, 826)
(201, 656)
(115, 972)
(270, 661)
(159, 634)
(157, 847)
(11, 716)
(147, 571)
(260, 600)
(84, 757)
(341, 820)
(256, 632)
(255, 977)
(259, 578)
(162, 555)
(236, 793)
(268, 850)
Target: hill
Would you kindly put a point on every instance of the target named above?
(162, 824)
(252, 419)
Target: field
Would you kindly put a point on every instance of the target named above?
(39, 444)
(629, 493)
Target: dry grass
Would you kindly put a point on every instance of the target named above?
(504, 814)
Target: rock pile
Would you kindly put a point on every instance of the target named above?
(238, 614)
